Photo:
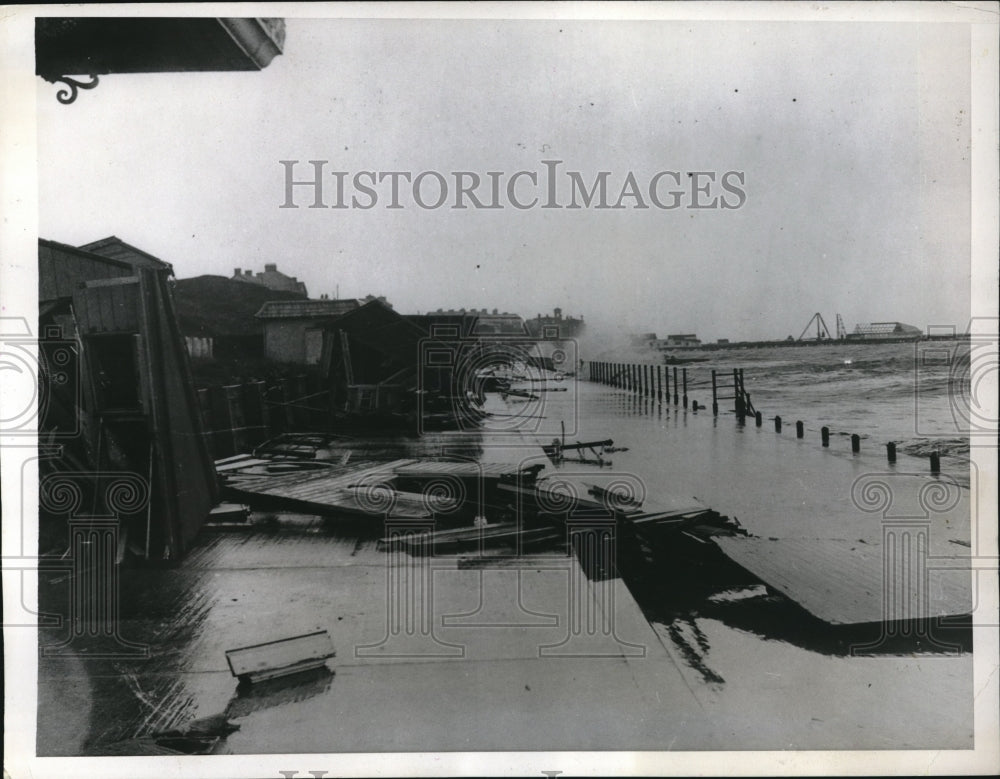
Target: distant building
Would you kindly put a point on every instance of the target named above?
(272, 278)
(885, 331)
(292, 328)
(680, 341)
(555, 325)
(221, 312)
(470, 322)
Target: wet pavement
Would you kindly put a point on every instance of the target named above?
(496, 654)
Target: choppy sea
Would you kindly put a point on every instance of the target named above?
(923, 396)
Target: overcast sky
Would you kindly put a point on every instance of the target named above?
(853, 140)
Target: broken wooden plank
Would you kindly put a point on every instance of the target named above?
(221, 467)
(334, 491)
(464, 538)
(848, 582)
(283, 657)
(543, 498)
(464, 469)
(438, 504)
(229, 512)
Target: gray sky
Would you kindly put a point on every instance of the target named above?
(853, 138)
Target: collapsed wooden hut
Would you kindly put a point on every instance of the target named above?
(117, 395)
(375, 362)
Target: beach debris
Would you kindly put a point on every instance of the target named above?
(229, 513)
(556, 451)
(197, 737)
(283, 657)
(398, 489)
(845, 584)
(500, 534)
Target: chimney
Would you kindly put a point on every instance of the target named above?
(270, 266)
(496, 311)
(237, 272)
(248, 273)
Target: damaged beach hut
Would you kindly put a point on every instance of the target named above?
(118, 400)
(374, 363)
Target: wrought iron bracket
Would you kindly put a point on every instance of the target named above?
(68, 93)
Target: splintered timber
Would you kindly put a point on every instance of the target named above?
(311, 185)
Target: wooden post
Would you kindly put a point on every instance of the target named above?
(800, 429)
(676, 396)
(890, 451)
(659, 383)
(935, 462)
(684, 372)
(737, 394)
(855, 443)
(825, 435)
(715, 396)
(777, 424)
(666, 388)
(758, 419)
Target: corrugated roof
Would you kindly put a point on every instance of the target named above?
(305, 309)
(847, 582)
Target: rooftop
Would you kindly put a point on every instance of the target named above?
(115, 248)
(306, 309)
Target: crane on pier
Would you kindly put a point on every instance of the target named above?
(822, 331)
(841, 330)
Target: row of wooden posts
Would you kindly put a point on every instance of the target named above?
(653, 381)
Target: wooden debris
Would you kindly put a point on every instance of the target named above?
(475, 537)
(847, 582)
(229, 512)
(283, 657)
